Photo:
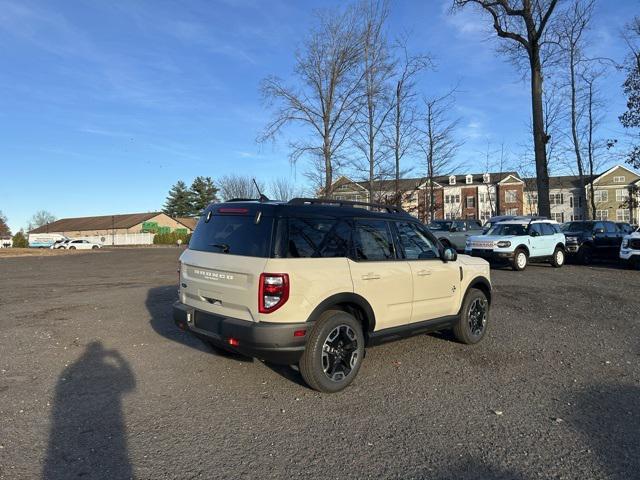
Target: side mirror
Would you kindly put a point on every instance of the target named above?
(453, 229)
(449, 255)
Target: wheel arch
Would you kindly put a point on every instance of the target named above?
(482, 284)
(561, 246)
(351, 303)
(522, 246)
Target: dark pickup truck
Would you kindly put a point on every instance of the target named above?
(591, 240)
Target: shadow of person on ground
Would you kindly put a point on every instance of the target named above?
(608, 416)
(159, 305)
(88, 432)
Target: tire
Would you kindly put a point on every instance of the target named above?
(95, 247)
(520, 260)
(585, 255)
(72, 248)
(559, 257)
(325, 370)
(474, 318)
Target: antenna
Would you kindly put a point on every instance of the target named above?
(263, 198)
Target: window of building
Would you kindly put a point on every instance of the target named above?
(449, 216)
(556, 199)
(486, 178)
(469, 179)
(484, 216)
(471, 202)
(373, 240)
(576, 217)
(558, 217)
(452, 180)
(601, 196)
(623, 215)
(510, 196)
(619, 179)
(511, 211)
(602, 214)
(452, 199)
(622, 195)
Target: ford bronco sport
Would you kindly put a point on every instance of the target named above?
(520, 241)
(312, 282)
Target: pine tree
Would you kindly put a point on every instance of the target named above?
(4, 228)
(20, 240)
(178, 202)
(203, 192)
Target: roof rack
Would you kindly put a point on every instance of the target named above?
(344, 203)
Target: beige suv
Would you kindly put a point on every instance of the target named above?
(312, 282)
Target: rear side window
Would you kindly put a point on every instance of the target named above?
(611, 227)
(233, 234)
(547, 229)
(373, 240)
(317, 237)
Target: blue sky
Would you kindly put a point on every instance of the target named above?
(104, 105)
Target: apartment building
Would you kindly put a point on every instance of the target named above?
(483, 195)
(476, 195)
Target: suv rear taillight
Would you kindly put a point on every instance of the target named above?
(273, 291)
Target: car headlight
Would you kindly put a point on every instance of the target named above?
(572, 239)
(503, 244)
(625, 243)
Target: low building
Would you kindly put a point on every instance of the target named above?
(107, 228)
(5, 241)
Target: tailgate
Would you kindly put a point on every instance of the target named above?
(221, 283)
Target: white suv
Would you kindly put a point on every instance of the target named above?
(630, 249)
(311, 282)
(519, 242)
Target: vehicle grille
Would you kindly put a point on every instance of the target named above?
(481, 252)
(634, 243)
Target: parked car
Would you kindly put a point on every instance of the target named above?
(625, 228)
(630, 249)
(519, 242)
(454, 233)
(311, 283)
(81, 245)
(60, 244)
(592, 239)
(501, 218)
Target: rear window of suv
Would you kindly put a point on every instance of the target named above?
(234, 235)
(317, 237)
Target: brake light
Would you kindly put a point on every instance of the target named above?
(232, 211)
(273, 291)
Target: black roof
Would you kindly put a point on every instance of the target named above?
(308, 206)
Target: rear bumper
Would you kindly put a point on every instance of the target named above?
(273, 342)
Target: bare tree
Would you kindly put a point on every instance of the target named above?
(593, 120)
(282, 188)
(404, 134)
(524, 22)
(571, 29)
(239, 186)
(438, 143)
(40, 219)
(375, 102)
(325, 100)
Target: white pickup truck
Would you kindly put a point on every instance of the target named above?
(630, 249)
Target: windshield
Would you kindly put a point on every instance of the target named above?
(234, 235)
(503, 229)
(577, 227)
(440, 226)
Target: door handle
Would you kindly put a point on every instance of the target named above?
(370, 276)
(424, 273)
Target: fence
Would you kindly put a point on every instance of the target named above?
(123, 239)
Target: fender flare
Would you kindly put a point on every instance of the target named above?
(484, 284)
(346, 297)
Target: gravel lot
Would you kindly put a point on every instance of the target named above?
(96, 381)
